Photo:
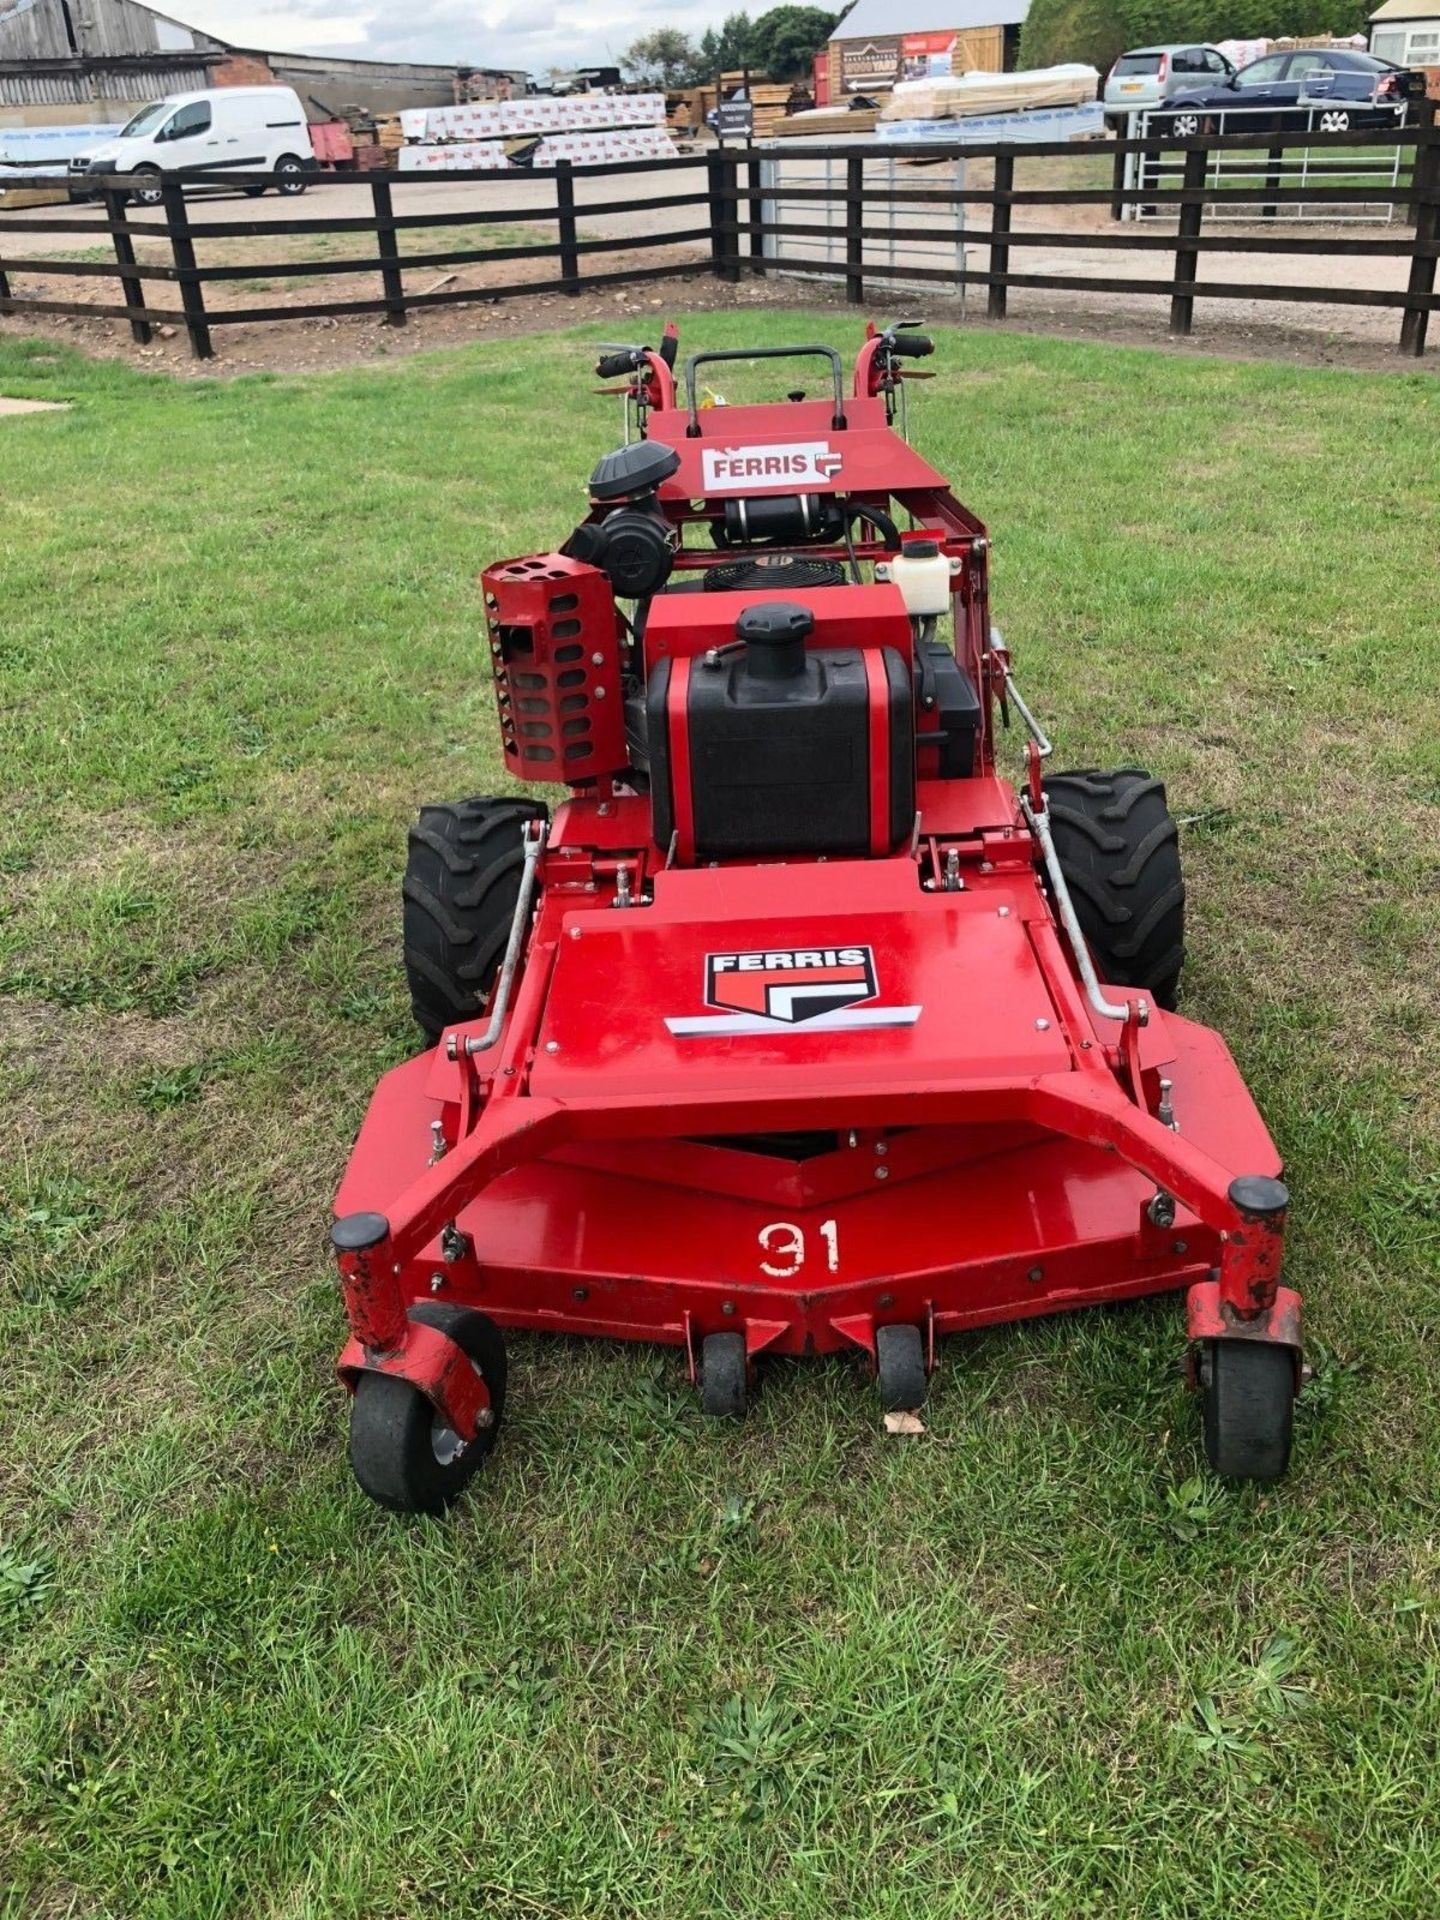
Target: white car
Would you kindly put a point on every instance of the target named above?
(224, 129)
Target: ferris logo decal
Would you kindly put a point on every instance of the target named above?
(766, 990)
(798, 462)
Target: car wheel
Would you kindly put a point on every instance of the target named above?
(147, 191)
(1335, 120)
(1187, 126)
(292, 175)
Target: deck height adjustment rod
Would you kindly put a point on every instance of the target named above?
(533, 845)
(1038, 821)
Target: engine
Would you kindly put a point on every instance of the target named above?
(780, 693)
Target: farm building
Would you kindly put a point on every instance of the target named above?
(68, 62)
(1408, 32)
(60, 63)
(882, 41)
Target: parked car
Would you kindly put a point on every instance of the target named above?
(1150, 76)
(1330, 88)
(229, 129)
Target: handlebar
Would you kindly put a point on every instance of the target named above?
(910, 346)
(697, 360)
(615, 366)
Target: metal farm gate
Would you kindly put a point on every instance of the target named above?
(803, 210)
(1290, 163)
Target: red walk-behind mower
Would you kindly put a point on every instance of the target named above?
(798, 1029)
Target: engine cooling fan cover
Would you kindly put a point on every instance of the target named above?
(766, 571)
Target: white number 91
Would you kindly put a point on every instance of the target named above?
(782, 1247)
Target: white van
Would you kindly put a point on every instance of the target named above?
(230, 129)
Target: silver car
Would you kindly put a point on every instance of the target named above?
(1149, 76)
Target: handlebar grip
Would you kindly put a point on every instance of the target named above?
(614, 366)
(912, 346)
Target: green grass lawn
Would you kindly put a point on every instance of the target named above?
(1035, 1663)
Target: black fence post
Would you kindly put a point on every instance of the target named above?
(182, 248)
(1423, 116)
(1117, 181)
(4, 291)
(388, 247)
(130, 286)
(757, 212)
(569, 239)
(1425, 184)
(1000, 235)
(1274, 161)
(855, 229)
(714, 190)
(1182, 305)
(730, 214)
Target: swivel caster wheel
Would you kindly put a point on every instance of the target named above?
(900, 1368)
(724, 1375)
(1248, 1389)
(401, 1450)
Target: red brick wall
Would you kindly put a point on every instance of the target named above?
(241, 70)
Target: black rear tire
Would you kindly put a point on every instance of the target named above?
(1249, 1390)
(1119, 851)
(462, 879)
(401, 1451)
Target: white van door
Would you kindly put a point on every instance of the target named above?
(284, 136)
(190, 136)
(186, 139)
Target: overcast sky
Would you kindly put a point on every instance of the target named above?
(490, 33)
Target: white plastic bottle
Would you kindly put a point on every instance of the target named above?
(922, 573)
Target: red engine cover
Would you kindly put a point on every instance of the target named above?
(555, 644)
(682, 625)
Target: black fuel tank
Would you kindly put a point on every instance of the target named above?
(779, 744)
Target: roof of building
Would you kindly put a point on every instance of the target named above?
(1396, 10)
(884, 19)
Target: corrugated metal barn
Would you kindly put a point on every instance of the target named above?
(77, 60)
(67, 62)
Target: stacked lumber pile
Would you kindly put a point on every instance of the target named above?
(948, 96)
(770, 99)
(828, 123)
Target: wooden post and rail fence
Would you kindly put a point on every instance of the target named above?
(717, 205)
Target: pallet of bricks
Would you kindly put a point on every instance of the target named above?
(586, 128)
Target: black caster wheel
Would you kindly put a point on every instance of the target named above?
(724, 1383)
(402, 1452)
(1248, 1388)
(900, 1368)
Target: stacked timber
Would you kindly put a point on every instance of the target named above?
(948, 96)
(827, 123)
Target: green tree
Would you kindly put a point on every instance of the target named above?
(726, 48)
(785, 41)
(663, 58)
(1098, 30)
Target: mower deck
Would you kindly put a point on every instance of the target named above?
(962, 1140)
